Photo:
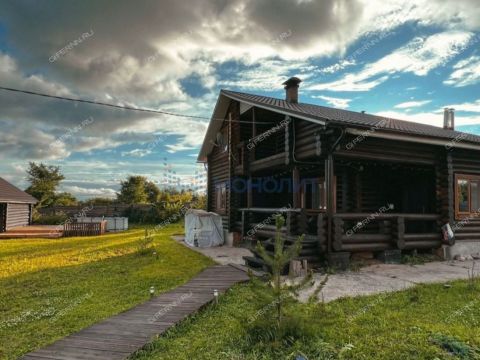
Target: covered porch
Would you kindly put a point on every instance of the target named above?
(344, 205)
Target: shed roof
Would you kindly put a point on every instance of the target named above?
(12, 194)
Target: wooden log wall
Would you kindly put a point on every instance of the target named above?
(463, 162)
(17, 215)
(220, 167)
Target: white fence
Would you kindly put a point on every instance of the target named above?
(113, 223)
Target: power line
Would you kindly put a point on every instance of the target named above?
(121, 106)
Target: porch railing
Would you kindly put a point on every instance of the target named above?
(375, 232)
(84, 229)
(352, 232)
(259, 222)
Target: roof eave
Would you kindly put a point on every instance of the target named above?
(422, 139)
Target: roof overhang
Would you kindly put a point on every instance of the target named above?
(220, 112)
(7, 201)
(416, 139)
(214, 127)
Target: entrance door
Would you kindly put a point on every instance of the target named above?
(3, 217)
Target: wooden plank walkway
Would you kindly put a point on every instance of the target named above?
(123, 334)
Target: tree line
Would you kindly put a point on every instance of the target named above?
(45, 180)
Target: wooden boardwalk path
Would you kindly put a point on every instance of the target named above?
(123, 334)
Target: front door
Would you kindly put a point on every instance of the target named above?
(3, 217)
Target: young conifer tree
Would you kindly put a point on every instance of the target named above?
(275, 292)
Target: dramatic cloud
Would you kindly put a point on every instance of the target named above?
(467, 107)
(176, 55)
(412, 104)
(335, 102)
(430, 118)
(467, 72)
(419, 56)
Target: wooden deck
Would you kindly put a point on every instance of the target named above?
(123, 334)
(33, 231)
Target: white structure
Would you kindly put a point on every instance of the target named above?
(113, 223)
(203, 229)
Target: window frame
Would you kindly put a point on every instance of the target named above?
(472, 212)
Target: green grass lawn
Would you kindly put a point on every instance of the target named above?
(426, 322)
(52, 288)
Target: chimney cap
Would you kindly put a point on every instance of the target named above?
(293, 81)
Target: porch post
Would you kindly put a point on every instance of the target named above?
(330, 189)
(451, 186)
(295, 188)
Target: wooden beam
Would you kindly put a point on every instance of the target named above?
(451, 186)
(329, 174)
(295, 187)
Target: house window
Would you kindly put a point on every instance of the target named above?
(314, 194)
(223, 140)
(221, 198)
(467, 195)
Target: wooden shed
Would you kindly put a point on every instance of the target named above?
(15, 206)
(349, 181)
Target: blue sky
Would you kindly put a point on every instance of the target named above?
(405, 60)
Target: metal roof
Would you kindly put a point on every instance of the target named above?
(12, 194)
(346, 117)
(327, 115)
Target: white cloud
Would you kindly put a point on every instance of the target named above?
(468, 106)
(82, 191)
(419, 57)
(412, 104)
(137, 152)
(342, 64)
(335, 102)
(466, 72)
(429, 118)
(268, 74)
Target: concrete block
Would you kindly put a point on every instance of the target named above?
(462, 248)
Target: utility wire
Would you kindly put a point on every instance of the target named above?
(121, 106)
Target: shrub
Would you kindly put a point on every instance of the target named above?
(145, 244)
(58, 219)
(456, 347)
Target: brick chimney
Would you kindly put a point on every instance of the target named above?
(291, 89)
(449, 119)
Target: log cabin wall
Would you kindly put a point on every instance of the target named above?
(463, 162)
(235, 199)
(220, 167)
(367, 175)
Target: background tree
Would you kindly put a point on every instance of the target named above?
(99, 201)
(153, 192)
(44, 181)
(65, 199)
(138, 190)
